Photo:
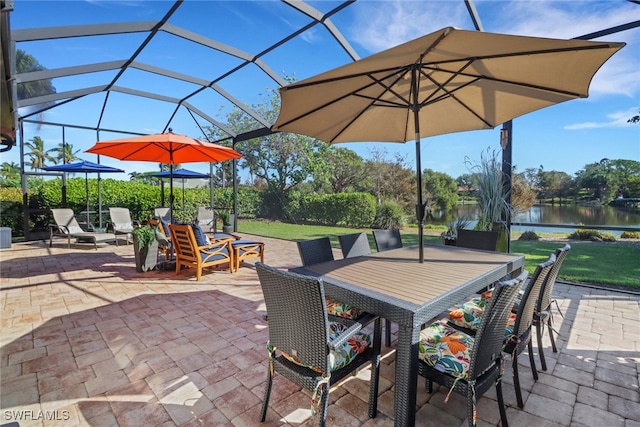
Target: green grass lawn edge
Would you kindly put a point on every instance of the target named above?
(615, 264)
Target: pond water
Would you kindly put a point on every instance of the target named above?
(556, 214)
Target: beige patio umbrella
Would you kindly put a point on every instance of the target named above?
(448, 81)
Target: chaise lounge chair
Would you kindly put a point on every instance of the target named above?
(206, 219)
(121, 222)
(67, 226)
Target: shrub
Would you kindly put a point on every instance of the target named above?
(585, 234)
(389, 215)
(630, 235)
(348, 209)
(529, 235)
(608, 237)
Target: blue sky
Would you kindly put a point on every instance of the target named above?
(563, 137)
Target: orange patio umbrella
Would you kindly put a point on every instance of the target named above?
(167, 148)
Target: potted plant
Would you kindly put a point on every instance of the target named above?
(145, 247)
(491, 198)
(449, 237)
(225, 217)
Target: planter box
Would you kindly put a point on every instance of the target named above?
(150, 261)
(449, 241)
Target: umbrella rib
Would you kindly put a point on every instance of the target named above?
(374, 81)
(388, 88)
(303, 84)
(523, 53)
(451, 94)
(505, 81)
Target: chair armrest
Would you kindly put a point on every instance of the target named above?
(216, 247)
(356, 327)
(59, 228)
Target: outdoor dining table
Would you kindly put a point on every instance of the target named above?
(395, 286)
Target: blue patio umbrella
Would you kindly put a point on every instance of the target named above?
(86, 168)
(179, 173)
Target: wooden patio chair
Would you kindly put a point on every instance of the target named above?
(190, 254)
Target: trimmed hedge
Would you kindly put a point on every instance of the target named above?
(347, 209)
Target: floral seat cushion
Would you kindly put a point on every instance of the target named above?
(344, 354)
(469, 314)
(446, 349)
(337, 308)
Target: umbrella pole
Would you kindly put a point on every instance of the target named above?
(420, 205)
(171, 191)
(86, 188)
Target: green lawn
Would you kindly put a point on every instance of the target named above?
(597, 263)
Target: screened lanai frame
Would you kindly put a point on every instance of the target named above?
(238, 59)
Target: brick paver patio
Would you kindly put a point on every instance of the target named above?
(86, 340)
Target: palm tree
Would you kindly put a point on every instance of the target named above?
(65, 153)
(10, 175)
(9, 170)
(26, 63)
(144, 177)
(38, 156)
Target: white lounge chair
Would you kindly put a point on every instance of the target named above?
(207, 219)
(121, 222)
(67, 226)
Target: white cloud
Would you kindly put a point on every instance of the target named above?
(390, 23)
(615, 120)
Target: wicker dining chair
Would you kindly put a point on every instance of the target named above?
(355, 244)
(542, 313)
(308, 349)
(518, 332)
(315, 250)
(472, 239)
(319, 250)
(517, 336)
(387, 239)
(470, 364)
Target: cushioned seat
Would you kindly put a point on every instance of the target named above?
(245, 249)
(344, 353)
